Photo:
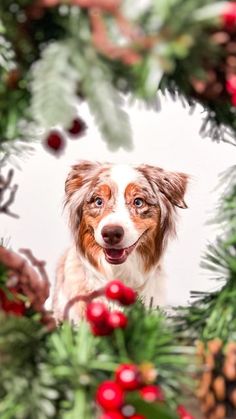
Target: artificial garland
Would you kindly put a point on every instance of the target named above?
(210, 318)
(116, 365)
(97, 49)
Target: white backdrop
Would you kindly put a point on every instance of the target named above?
(169, 139)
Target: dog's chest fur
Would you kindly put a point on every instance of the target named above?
(77, 277)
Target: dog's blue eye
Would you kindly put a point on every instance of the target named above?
(98, 202)
(138, 202)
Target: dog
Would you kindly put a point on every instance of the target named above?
(121, 218)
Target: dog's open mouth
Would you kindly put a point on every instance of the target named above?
(118, 256)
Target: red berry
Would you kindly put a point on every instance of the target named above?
(151, 393)
(12, 305)
(97, 313)
(183, 413)
(55, 141)
(77, 127)
(101, 330)
(117, 319)
(115, 290)
(129, 297)
(109, 395)
(229, 15)
(128, 377)
(233, 100)
(231, 85)
(112, 415)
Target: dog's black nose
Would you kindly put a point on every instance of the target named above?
(112, 234)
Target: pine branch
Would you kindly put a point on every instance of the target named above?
(54, 83)
(7, 55)
(5, 186)
(104, 101)
(213, 314)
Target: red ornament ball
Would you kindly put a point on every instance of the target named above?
(117, 320)
(115, 290)
(55, 141)
(97, 313)
(231, 85)
(112, 415)
(233, 100)
(101, 330)
(77, 128)
(151, 393)
(183, 413)
(128, 377)
(129, 297)
(229, 16)
(12, 304)
(109, 396)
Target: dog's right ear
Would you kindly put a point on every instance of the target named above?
(79, 176)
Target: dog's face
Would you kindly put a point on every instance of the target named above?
(115, 209)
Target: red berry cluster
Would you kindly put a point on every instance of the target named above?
(229, 16)
(117, 291)
(110, 395)
(103, 321)
(183, 413)
(231, 88)
(11, 303)
(55, 140)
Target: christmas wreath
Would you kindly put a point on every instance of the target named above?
(128, 363)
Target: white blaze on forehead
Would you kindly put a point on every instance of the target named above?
(121, 175)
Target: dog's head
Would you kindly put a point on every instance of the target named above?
(115, 209)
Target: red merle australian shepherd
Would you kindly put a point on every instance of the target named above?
(121, 218)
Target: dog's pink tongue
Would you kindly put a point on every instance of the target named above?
(114, 253)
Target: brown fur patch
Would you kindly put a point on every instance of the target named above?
(83, 182)
(157, 216)
(87, 244)
(154, 241)
(171, 184)
(147, 219)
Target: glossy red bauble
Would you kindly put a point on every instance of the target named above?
(151, 393)
(110, 396)
(97, 313)
(229, 15)
(117, 320)
(101, 330)
(55, 141)
(231, 85)
(183, 413)
(77, 127)
(114, 290)
(128, 377)
(12, 304)
(233, 100)
(129, 297)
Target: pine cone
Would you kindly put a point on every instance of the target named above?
(217, 387)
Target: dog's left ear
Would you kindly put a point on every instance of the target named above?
(171, 184)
